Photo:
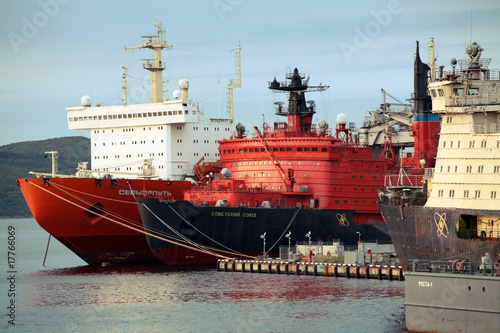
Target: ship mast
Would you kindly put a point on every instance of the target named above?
(432, 59)
(233, 83)
(124, 85)
(155, 67)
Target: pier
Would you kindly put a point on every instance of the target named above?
(378, 272)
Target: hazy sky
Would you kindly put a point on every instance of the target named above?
(55, 51)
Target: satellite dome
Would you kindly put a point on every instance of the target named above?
(341, 119)
(226, 173)
(176, 94)
(183, 84)
(86, 101)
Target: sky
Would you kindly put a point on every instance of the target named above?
(55, 51)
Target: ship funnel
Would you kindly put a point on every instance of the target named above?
(184, 86)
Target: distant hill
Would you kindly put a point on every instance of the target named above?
(18, 159)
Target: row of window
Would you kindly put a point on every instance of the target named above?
(472, 144)
(131, 129)
(140, 168)
(469, 168)
(477, 194)
(105, 157)
(282, 149)
(456, 92)
(130, 115)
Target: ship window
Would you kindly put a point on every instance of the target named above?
(324, 149)
(458, 91)
(480, 169)
(444, 144)
(496, 169)
(458, 144)
(452, 193)
(282, 148)
(251, 150)
(441, 92)
(307, 149)
(469, 168)
(478, 194)
(433, 92)
(471, 144)
(240, 150)
(473, 91)
(466, 194)
(483, 144)
(299, 149)
(449, 166)
(275, 149)
(234, 151)
(451, 144)
(246, 150)
(314, 149)
(149, 114)
(440, 193)
(493, 194)
(456, 168)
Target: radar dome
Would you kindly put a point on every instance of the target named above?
(86, 100)
(183, 84)
(341, 119)
(225, 173)
(176, 94)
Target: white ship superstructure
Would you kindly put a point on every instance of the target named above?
(163, 139)
(172, 133)
(467, 173)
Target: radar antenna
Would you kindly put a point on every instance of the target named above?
(154, 66)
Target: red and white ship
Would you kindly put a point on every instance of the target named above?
(155, 146)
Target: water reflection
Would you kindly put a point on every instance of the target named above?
(251, 301)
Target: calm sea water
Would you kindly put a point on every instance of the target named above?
(65, 295)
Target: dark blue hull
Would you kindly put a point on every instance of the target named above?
(238, 230)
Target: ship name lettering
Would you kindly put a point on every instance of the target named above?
(426, 284)
(217, 214)
(236, 214)
(252, 215)
(145, 193)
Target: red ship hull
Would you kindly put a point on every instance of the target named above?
(96, 219)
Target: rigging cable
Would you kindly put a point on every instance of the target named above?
(149, 233)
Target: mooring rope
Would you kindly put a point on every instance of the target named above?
(208, 237)
(286, 229)
(120, 223)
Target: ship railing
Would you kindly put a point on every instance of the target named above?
(451, 266)
(486, 128)
(475, 234)
(403, 179)
(395, 199)
(479, 99)
(489, 74)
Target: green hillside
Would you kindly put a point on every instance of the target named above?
(18, 159)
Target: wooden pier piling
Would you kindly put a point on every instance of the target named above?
(378, 272)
